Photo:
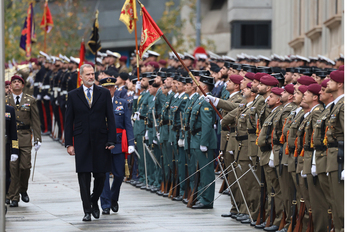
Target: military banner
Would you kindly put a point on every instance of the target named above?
(129, 14)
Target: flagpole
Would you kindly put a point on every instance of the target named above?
(136, 47)
(45, 11)
(96, 44)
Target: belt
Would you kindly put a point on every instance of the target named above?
(334, 144)
(224, 128)
(291, 149)
(165, 122)
(149, 125)
(176, 128)
(320, 148)
(241, 138)
(195, 131)
(46, 87)
(25, 127)
(266, 148)
(251, 131)
(186, 128)
(276, 142)
(142, 117)
(64, 92)
(36, 83)
(119, 130)
(308, 148)
(232, 129)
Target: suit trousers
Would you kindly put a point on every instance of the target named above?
(84, 179)
(118, 170)
(337, 194)
(47, 104)
(42, 120)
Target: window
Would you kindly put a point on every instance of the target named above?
(251, 34)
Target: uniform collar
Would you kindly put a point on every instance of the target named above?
(180, 95)
(313, 108)
(328, 105)
(338, 98)
(192, 95)
(232, 94)
(274, 109)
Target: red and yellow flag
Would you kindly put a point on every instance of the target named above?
(47, 21)
(150, 33)
(82, 61)
(129, 14)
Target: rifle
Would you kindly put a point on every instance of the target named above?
(340, 159)
(280, 160)
(193, 197)
(262, 212)
(299, 222)
(310, 227)
(272, 210)
(294, 212)
(155, 123)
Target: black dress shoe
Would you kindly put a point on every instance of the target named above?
(149, 188)
(178, 198)
(95, 210)
(199, 205)
(261, 226)
(154, 189)
(243, 217)
(253, 223)
(143, 187)
(226, 215)
(234, 216)
(140, 185)
(159, 193)
(7, 201)
(25, 197)
(87, 217)
(185, 201)
(226, 192)
(114, 205)
(106, 211)
(246, 221)
(271, 228)
(165, 195)
(14, 204)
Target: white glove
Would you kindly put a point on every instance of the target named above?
(271, 163)
(303, 175)
(342, 175)
(221, 121)
(135, 97)
(137, 116)
(154, 141)
(212, 99)
(327, 174)
(14, 157)
(203, 148)
(137, 86)
(57, 103)
(38, 97)
(214, 126)
(131, 149)
(46, 97)
(158, 136)
(147, 135)
(37, 146)
(250, 158)
(181, 143)
(314, 170)
(231, 152)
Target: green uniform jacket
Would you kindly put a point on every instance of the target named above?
(187, 115)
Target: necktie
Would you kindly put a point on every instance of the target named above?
(17, 101)
(89, 94)
(331, 107)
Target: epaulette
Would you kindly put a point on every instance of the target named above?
(29, 96)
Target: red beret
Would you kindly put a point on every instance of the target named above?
(302, 89)
(277, 91)
(337, 76)
(306, 80)
(123, 58)
(153, 64)
(249, 85)
(258, 76)
(341, 68)
(269, 80)
(314, 88)
(250, 75)
(236, 79)
(324, 83)
(162, 62)
(15, 77)
(7, 82)
(289, 88)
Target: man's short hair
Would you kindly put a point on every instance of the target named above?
(84, 66)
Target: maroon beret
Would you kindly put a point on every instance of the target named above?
(337, 76)
(306, 80)
(123, 58)
(341, 68)
(289, 88)
(269, 80)
(15, 77)
(250, 75)
(7, 82)
(314, 88)
(249, 85)
(277, 91)
(153, 64)
(162, 62)
(258, 76)
(324, 83)
(302, 89)
(236, 79)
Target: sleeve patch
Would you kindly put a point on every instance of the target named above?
(206, 108)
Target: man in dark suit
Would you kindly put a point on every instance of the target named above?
(89, 121)
(124, 130)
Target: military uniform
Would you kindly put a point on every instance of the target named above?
(37, 83)
(28, 125)
(44, 91)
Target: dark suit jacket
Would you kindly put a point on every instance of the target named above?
(90, 129)
(123, 121)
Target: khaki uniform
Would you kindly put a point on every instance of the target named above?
(28, 125)
(335, 133)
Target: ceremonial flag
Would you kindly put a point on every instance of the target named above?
(47, 21)
(28, 32)
(82, 61)
(150, 33)
(129, 14)
(94, 42)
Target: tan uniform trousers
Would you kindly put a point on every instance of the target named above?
(337, 194)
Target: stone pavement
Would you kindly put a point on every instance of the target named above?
(55, 204)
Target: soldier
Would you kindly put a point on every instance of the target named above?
(44, 94)
(63, 87)
(54, 92)
(28, 125)
(204, 141)
(112, 60)
(121, 84)
(72, 79)
(288, 76)
(7, 88)
(335, 152)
